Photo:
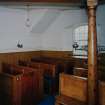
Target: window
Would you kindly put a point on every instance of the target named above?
(80, 41)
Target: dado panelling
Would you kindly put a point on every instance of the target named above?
(56, 54)
(14, 57)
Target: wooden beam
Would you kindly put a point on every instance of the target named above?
(71, 2)
(44, 1)
(92, 54)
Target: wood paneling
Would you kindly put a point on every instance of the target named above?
(44, 1)
(64, 100)
(13, 58)
(57, 54)
(73, 2)
(102, 93)
(74, 87)
(8, 87)
(15, 87)
(81, 63)
(101, 66)
(31, 87)
(82, 72)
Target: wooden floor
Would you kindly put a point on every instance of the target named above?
(64, 100)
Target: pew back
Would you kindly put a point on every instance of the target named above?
(82, 72)
(13, 89)
(32, 81)
(73, 86)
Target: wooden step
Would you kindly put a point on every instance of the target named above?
(65, 100)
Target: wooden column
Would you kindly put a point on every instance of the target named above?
(92, 56)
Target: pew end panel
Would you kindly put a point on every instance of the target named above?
(102, 93)
(32, 81)
(73, 86)
(10, 89)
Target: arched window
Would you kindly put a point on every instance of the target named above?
(80, 45)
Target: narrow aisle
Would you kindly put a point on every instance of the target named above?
(49, 100)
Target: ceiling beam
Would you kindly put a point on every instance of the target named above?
(70, 2)
(44, 1)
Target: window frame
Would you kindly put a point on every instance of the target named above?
(79, 55)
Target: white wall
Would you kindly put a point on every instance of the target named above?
(50, 29)
(101, 24)
(13, 29)
(60, 35)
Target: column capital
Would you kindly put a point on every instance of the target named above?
(92, 3)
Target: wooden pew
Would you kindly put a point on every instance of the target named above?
(51, 77)
(17, 87)
(73, 91)
(82, 72)
(80, 62)
(36, 83)
(46, 68)
(102, 93)
(101, 70)
(38, 79)
(10, 89)
(29, 64)
(61, 64)
(73, 87)
(49, 72)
